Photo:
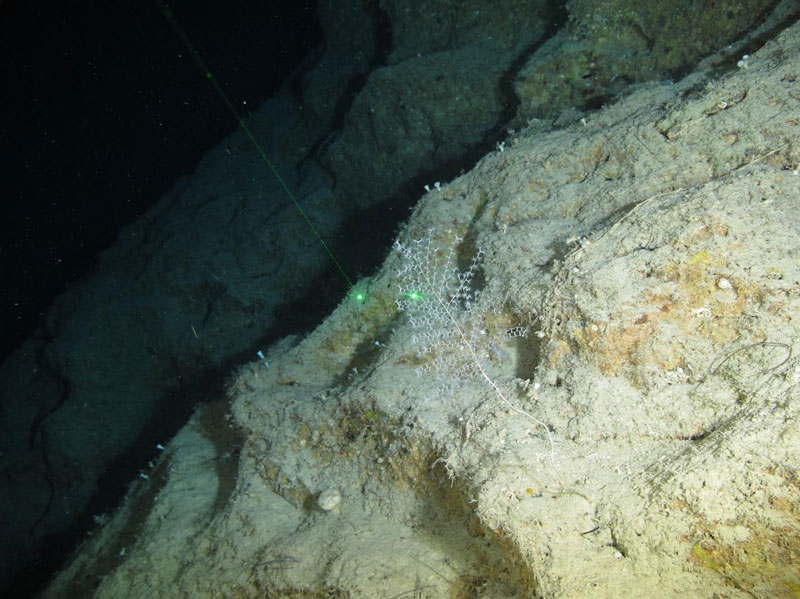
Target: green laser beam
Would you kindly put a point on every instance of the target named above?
(167, 12)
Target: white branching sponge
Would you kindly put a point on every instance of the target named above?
(441, 305)
(449, 327)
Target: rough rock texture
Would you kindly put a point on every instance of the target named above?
(352, 48)
(642, 440)
(440, 95)
(610, 44)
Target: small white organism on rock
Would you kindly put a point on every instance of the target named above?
(329, 499)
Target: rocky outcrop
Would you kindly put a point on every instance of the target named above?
(203, 280)
(641, 440)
